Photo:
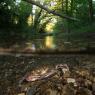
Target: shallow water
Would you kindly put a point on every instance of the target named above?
(13, 68)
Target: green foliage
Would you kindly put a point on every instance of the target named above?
(14, 16)
(86, 28)
(78, 9)
(13, 21)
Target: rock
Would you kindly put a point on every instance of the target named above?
(93, 88)
(64, 70)
(21, 94)
(68, 90)
(84, 91)
(88, 84)
(51, 92)
(31, 91)
(72, 80)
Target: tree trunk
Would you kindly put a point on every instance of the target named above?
(90, 10)
(72, 6)
(66, 6)
(62, 5)
(68, 30)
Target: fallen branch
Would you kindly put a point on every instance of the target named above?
(50, 11)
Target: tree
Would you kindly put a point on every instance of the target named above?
(50, 11)
(90, 10)
(13, 21)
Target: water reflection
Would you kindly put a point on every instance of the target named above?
(49, 42)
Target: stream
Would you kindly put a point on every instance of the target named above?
(14, 67)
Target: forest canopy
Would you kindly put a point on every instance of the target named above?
(24, 20)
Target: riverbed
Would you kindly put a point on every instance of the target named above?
(14, 67)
